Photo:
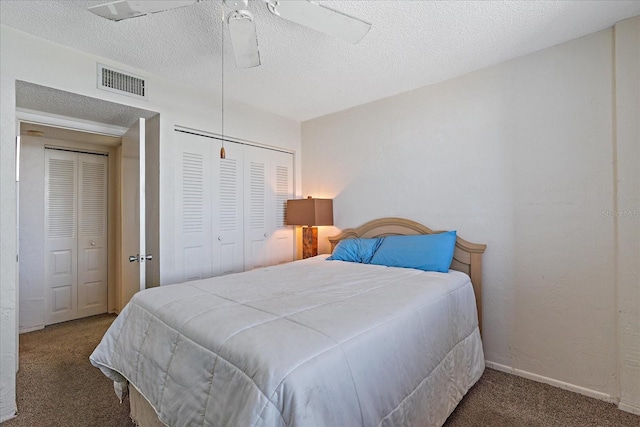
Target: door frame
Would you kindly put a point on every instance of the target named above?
(52, 120)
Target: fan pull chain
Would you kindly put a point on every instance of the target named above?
(223, 154)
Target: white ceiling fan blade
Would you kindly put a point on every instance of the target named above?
(321, 18)
(244, 39)
(125, 9)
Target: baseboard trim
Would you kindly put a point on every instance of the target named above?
(31, 329)
(629, 408)
(9, 415)
(556, 383)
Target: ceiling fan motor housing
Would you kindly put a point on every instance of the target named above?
(236, 4)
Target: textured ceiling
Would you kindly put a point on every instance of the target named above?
(68, 135)
(305, 74)
(30, 96)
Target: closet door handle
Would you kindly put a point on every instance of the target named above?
(220, 238)
(134, 258)
(265, 234)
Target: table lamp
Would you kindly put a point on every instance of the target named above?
(310, 213)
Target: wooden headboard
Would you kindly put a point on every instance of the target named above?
(467, 256)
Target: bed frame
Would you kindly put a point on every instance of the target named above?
(467, 256)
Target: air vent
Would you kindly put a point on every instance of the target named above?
(116, 81)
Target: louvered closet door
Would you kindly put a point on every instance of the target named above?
(281, 186)
(194, 206)
(60, 240)
(228, 184)
(256, 207)
(92, 235)
(75, 235)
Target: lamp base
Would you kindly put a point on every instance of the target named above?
(309, 242)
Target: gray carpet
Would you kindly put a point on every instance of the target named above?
(56, 384)
(58, 387)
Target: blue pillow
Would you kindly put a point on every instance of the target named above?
(428, 252)
(355, 250)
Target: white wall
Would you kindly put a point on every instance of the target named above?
(518, 156)
(627, 210)
(32, 290)
(38, 61)
(8, 239)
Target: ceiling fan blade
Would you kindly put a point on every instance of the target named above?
(125, 9)
(321, 18)
(244, 39)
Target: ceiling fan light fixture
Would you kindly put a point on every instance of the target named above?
(239, 14)
(242, 28)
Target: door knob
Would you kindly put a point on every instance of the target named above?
(265, 234)
(92, 243)
(148, 257)
(134, 258)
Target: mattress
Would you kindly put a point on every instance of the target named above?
(308, 343)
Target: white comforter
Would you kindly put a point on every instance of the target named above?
(310, 343)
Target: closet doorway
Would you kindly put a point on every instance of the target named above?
(66, 229)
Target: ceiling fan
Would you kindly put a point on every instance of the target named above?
(242, 28)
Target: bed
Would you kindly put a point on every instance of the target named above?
(308, 343)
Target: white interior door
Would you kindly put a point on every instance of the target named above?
(193, 206)
(256, 207)
(281, 188)
(75, 235)
(133, 277)
(60, 239)
(92, 234)
(228, 216)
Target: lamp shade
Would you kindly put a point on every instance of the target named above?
(311, 212)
